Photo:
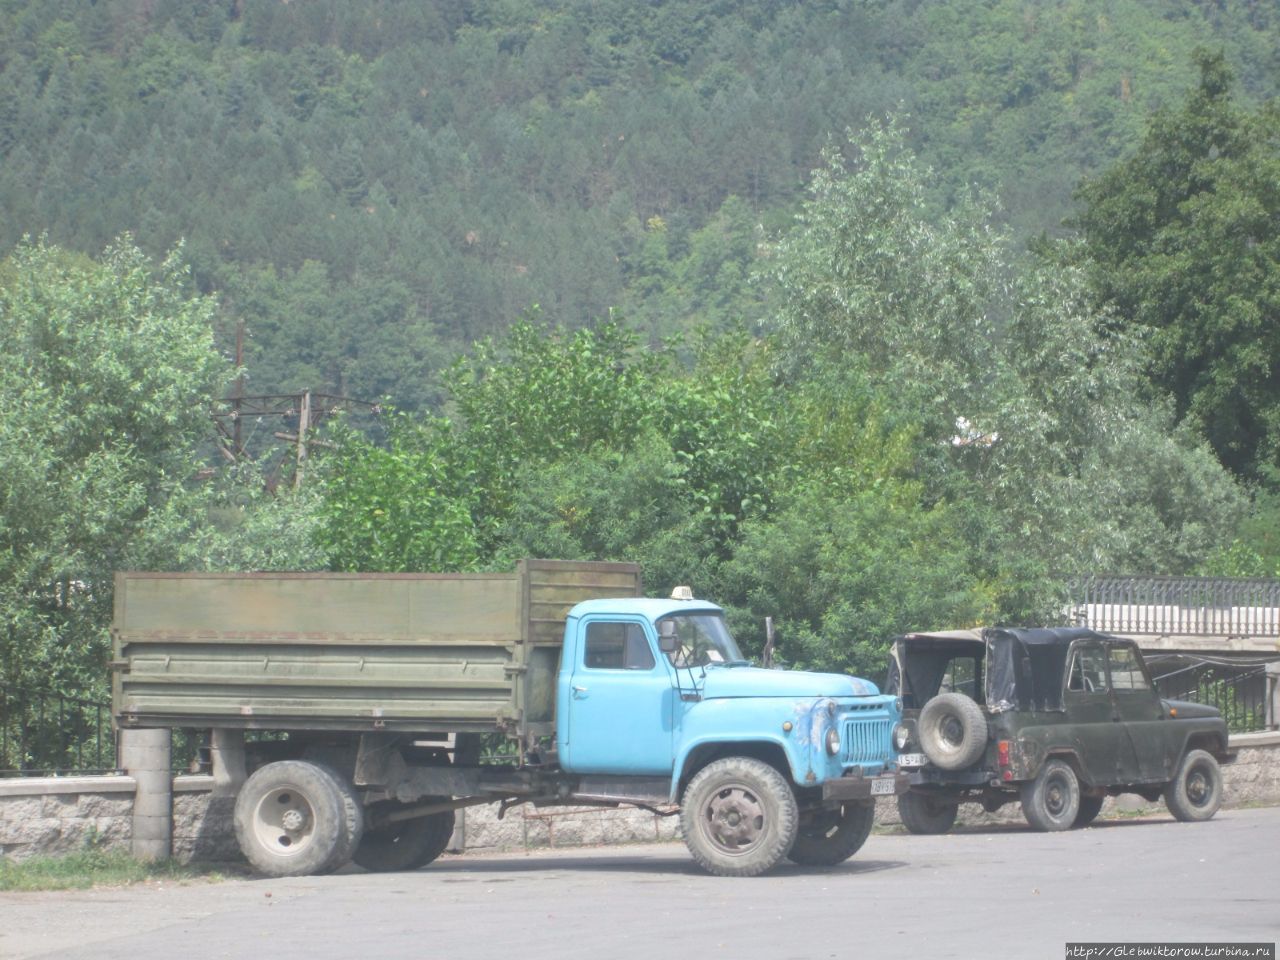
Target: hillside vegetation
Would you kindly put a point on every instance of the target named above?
(906, 394)
(372, 186)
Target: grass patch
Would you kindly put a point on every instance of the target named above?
(94, 868)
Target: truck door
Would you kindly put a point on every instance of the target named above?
(617, 710)
(1091, 717)
(1141, 714)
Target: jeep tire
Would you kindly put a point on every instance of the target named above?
(952, 731)
(923, 814)
(1051, 801)
(1195, 793)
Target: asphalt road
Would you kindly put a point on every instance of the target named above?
(1001, 892)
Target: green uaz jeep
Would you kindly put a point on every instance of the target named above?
(1058, 719)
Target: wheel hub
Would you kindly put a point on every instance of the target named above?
(735, 818)
(1197, 788)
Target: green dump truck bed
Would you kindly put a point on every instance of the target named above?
(310, 651)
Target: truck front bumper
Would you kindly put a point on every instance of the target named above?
(866, 788)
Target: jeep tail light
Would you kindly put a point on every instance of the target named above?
(1002, 752)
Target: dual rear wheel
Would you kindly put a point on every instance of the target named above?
(296, 818)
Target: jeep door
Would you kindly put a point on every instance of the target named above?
(1091, 725)
(1141, 714)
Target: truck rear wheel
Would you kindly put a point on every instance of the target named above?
(1195, 793)
(403, 844)
(739, 817)
(290, 819)
(923, 814)
(833, 836)
(353, 821)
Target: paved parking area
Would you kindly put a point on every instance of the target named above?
(1002, 892)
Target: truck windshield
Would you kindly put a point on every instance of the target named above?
(703, 640)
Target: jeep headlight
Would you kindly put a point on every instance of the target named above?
(833, 741)
(901, 737)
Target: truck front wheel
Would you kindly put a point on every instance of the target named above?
(402, 844)
(739, 817)
(290, 819)
(833, 836)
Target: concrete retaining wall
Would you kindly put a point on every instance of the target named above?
(60, 815)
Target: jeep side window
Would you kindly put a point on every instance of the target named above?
(1088, 671)
(1126, 671)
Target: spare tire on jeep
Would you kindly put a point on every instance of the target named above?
(952, 731)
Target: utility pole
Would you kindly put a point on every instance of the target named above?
(304, 424)
(303, 412)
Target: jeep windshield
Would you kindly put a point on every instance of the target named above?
(702, 639)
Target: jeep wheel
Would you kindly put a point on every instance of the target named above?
(952, 731)
(833, 836)
(1195, 793)
(1088, 811)
(1052, 800)
(739, 817)
(926, 815)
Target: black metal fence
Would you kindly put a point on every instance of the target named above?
(1238, 690)
(1178, 606)
(52, 734)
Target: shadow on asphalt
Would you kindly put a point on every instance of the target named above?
(975, 829)
(465, 869)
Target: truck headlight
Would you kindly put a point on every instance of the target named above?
(901, 737)
(833, 741)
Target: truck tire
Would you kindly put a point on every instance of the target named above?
(739, 817)
(353, 820)
(1051, 801)
(952, 731)
(1088, 811)
(290, 820)
(404, 844)
(1195, 793)
(834, 835)
(923, 814)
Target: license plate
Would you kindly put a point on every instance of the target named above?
(885, 786)
(911, 759)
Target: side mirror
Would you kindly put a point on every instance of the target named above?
(668, 642)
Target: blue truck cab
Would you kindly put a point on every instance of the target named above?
(654, 697)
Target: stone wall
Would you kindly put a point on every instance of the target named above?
(60, 815)
(63, 814)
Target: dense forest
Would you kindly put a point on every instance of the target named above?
(373, 186)
(868, 316)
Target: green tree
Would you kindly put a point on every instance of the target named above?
(1033, 415)
(1184, 239)
(103, 403)
(402, 506)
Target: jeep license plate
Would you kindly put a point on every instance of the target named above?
(883, 786)
(911, 759)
